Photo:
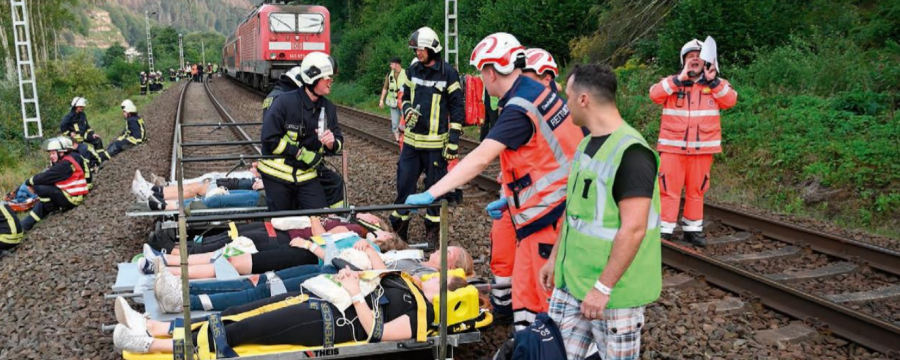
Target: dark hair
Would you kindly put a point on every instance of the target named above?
(599, 80)
(395, 60)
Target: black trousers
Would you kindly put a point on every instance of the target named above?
(52, 199)
(283, 258)
(333, 185)
(118, 146)
(283, 196)
(166, 239)
(411, 165)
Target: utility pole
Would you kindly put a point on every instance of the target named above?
(31, 111)
(181, 50)
(203, 51)
(149, 41)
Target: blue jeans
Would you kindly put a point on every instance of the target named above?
(395, 119)
(233, 199)
(222, 298)
(23, 194)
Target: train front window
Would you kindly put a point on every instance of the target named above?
(283, 22)
(311, 23)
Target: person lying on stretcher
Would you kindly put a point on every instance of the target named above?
(389, 313)
(220, 295)
(247, 258)
(215, 190)
(283, 229)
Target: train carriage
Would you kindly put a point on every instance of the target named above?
(273, 39)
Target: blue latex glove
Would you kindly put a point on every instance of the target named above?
(423, 198)
(496, 208)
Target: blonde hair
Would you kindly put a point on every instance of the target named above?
(464, 261)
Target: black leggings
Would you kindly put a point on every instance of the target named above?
(166, 239)
(296, 324)
(282, 258)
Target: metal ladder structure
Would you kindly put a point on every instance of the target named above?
(451, 31)
(149, 42)
(181, 51)
(31, 110)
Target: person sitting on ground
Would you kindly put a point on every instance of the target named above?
(75, 125)
(134, 133)
(305, 227)
(291, 324)
(220, 295)
(11, 232)
(60, 187)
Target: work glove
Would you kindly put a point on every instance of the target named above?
(496, 208)
(412, 115)
(451, 151)
(423, 198)
(309, 157)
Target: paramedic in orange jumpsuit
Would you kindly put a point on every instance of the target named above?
(535, 139)
(690, 133)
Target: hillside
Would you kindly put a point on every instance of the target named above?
(103, 33)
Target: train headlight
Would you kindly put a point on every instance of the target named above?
(272, 56)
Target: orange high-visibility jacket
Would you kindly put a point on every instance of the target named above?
(76, 184)
(535, 174)
(690, 117)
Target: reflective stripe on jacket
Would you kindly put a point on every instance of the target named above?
(593, 220)
(10, 230)
(76, 184)
(690, 117)
(535, 174)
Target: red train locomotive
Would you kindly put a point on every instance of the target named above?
(273, 39)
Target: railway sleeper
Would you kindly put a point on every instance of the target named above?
(794, 333)
(787, 251)
(884, 293)
(833, 269)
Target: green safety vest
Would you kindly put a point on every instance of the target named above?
(394, 84)
(592, 221)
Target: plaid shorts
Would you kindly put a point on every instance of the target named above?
(617, 336)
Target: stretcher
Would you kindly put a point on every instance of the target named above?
(139, 209)
(464, 318)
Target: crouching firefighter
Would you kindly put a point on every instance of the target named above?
(62, 186)
(690, 134)
(134, 133)
(11, 232)
(301, 127)
(432, 105)
(536, 140)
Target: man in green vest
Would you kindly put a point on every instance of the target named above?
(606, 265)
(392, 85)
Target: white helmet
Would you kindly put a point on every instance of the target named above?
(59, 143)
(294, 74)
(540, 61)
(500, 49)
(315, 66)
(79, 101)
(128, 106)
(693, 45)
(425, 38)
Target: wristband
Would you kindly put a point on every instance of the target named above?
(312, 247)
(358, 298)
(603, 289)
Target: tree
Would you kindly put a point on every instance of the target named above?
(113, 53)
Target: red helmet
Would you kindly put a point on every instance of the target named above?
(540, 61)
(500, 49)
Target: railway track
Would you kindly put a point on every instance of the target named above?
(867, 317)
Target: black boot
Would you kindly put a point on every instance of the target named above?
(163, 239)
(667, 237)
(696, 238)
(401, 227)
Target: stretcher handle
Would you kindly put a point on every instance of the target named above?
(412, 345)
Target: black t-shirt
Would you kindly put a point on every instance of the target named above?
(636, 175)
(401, 302)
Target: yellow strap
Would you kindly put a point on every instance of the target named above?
(233, 233)
(421, 309)
(268, 308)
(318, 240)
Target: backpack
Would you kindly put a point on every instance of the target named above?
(539, 341)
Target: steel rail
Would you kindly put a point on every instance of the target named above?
(856, 326)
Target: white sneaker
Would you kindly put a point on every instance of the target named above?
(141, 190)
(167, 289)
(137, 175)
(146, 267)
(127, 316)
(153, 255)
(216, 192)
(131, 340)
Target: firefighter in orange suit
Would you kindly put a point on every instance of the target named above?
(690, 133)
(535, 139)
